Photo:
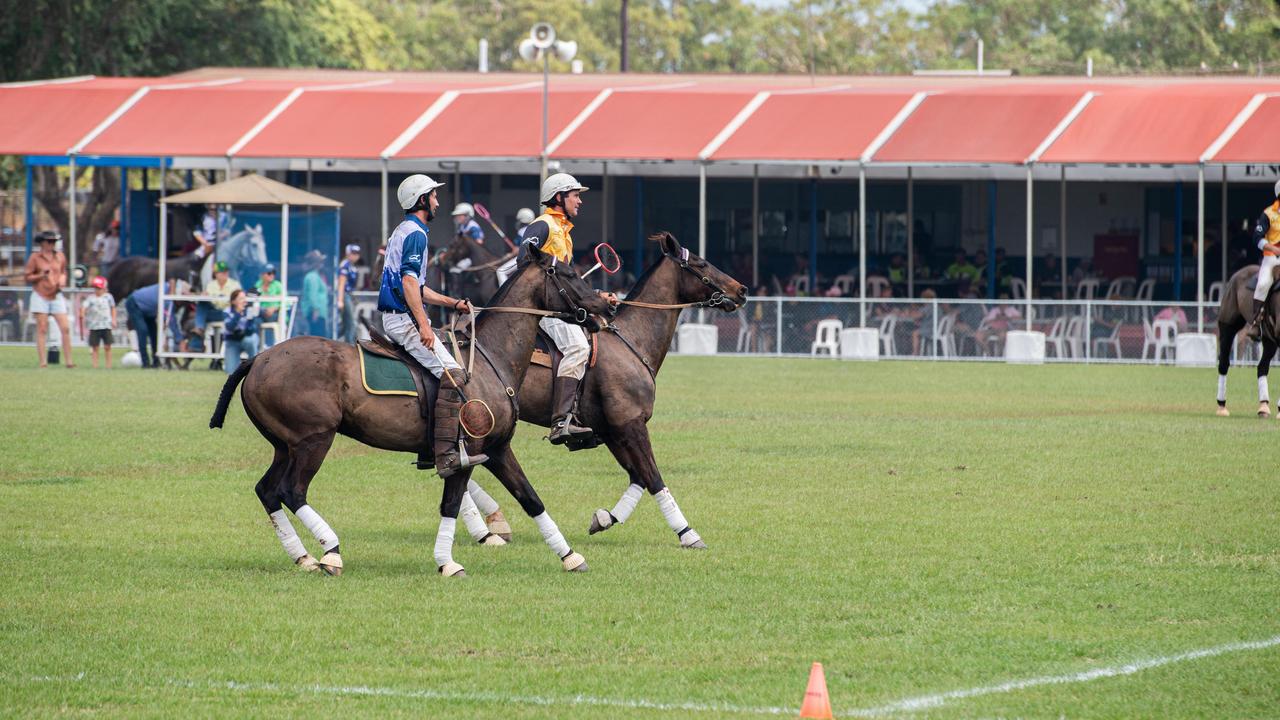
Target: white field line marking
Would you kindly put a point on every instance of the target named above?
(906, 705)
(932, 701)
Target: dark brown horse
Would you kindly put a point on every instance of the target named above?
(302, 392)
(618, 394)
(479, 280)
(1233, 315)
(132, 273)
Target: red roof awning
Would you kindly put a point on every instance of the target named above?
(500, 124)
(192, 121)
(357, 123)
(968, 126)
(50, 119)
(653, 125)
(1163, 125)
(812, 126)
(1257, 141)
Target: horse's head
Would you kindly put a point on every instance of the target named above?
(564, 290)
(455, 252)
(700, 281)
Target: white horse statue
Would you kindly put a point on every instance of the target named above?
(244, 252)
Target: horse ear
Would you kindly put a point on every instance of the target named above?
(536, 254)
(666, 241)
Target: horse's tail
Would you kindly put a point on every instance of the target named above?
(229, 389)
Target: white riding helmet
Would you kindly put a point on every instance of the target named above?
(1278, 188)
(414, 187)
(464, 209)
(524, 216)
(558, 183)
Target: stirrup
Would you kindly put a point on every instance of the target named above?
(465, 460)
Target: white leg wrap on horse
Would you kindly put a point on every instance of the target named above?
(288, 536)
(670, 510)
(627, 503)
(444, 541)
(312, 521)
(552, 535)
(472, 518)
(1222, 388)
(1263, 394)
(482, 499)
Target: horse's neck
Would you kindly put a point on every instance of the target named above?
(649, 329)
(482, 253)
(509, 337)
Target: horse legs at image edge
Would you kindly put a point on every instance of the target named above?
(1224, 364)
(285, 482)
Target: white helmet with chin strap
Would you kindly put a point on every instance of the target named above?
(524, 216)
(414, 187)
(1278, 188)
(464, 209)
(558, 183)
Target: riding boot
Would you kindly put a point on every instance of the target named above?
(450, 452)
(565, 402)
(1254, 331)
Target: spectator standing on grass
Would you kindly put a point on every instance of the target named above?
(347, 276)
(46, 273)
(239, 331)
(315, 295)
(98, 313)
(141, 308)
(106, 246)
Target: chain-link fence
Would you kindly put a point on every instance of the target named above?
(943, 329)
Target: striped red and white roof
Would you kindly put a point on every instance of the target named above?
(283, 114)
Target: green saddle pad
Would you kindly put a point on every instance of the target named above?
(384, 376)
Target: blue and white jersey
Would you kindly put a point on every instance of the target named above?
(471, 229)
(406, 252)
(347, 270)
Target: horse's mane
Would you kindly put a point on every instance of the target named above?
(648, 273)
(505, 289)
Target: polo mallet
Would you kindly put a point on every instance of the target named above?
(483, 212)
(606, 259)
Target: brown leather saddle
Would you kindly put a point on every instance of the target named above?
(424, 382)
(547, 355)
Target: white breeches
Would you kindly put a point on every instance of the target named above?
(402, 331)
(572, 342)
(1264, 276)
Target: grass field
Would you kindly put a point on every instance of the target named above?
(918, 528)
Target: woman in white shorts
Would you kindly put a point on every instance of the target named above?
(46, 272)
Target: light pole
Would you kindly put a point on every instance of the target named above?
(542, 43)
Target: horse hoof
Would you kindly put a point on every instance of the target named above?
(331, 563)
(498, 525)
(493, 540)
(573, 562)
(452, 569)
(1223, 412)
(1264, 410)
(600, 522)
(695, 545)
(691, 540)
(308, 564)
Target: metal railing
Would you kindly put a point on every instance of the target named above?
(1088, 331)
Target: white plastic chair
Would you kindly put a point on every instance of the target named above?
(888, 327)
(944, 343)
(1074, 336)
(828, 339)
(1056, 338)
(1146, 291)
(876, 285)
(1165, 332)
(801, 284)
(1087, 289)
(1018, 287)
(213, 336)
(1113, 340)
(846, 283)
(1121, 288)
(1215, 292)
(746, 333)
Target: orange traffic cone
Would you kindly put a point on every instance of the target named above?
(817, 704)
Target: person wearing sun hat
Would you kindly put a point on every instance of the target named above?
(219, 288)
(347, 275)
(46, 273)
(315, 295)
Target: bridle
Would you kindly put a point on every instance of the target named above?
(718, 295)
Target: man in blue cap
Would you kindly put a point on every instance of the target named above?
(347, 275)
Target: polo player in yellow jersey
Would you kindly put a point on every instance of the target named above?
(1267, 235)
(550, 232)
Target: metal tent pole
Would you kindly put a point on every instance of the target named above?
(71, 240)
(164, 254)
(813, 237)
(1030, 240)
(284, 314)
(1177, 241)
(755, 227)
(862, 245)
(385, 200)
(1200, 249)
(1062, 230)
(702, 221)
(911, 235)
(31, 215)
